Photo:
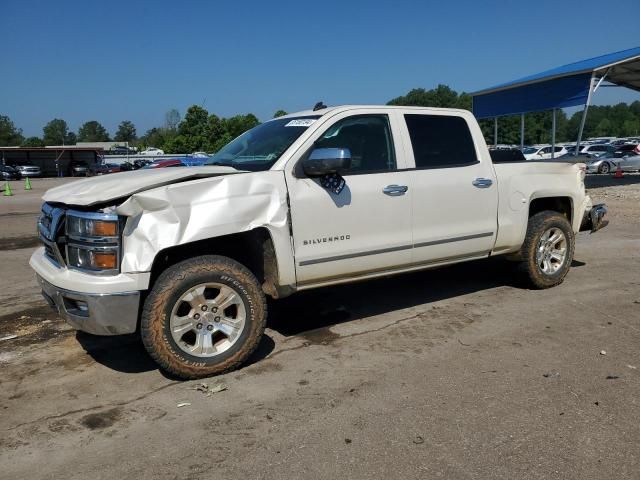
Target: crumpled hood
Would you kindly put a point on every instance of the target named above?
(101, 189)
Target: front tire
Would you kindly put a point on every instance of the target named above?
(204, 316)
(547, 251)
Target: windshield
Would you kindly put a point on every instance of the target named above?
(259, 148)
(529, 150)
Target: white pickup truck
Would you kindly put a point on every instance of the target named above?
(187, 256)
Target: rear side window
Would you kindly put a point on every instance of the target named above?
(440, 141)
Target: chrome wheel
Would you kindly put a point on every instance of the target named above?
(552, 251)
(604, 168)
(208, 319)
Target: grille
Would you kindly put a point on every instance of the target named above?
(50, 225)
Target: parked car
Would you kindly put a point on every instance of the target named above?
(609, 162)
(79, 169)
(594, 149)
(120, 150)
(140, 163)
(152, 151)
(187, 256)
(105, 168)
(543, 152)
(9, 173)
(195, 161)
(28, 169)
(170, 162)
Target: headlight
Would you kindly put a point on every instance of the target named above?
(91, 227)
(93, 241)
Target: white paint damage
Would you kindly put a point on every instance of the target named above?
(97, 190)
(186, 212)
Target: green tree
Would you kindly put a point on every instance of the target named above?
(279, 113)
(193, 130)
(126, 132)
(157, 137)
(33, 142)
(631, 127)
(93, 131)
(56, 132)
(442, 96)
(9, 135)
(216, 131)
(239, 124)
(604, 127)
(172, 119)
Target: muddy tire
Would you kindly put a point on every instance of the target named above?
(204, 316)
(547, 251)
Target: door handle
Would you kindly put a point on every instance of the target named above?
(395, 190)
(482, 182)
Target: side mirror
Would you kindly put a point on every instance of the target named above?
(322, 161)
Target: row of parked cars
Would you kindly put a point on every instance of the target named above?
(598, 157)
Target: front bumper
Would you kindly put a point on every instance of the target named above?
(593, 219)
(96, 313)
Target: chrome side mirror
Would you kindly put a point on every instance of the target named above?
(322, 161)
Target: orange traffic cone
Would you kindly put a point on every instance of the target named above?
(618, 172)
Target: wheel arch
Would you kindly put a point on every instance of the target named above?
(255, 249)
(556, 203)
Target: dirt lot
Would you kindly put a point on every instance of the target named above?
(457, 373)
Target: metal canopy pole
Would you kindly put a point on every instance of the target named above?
(586, 108)
(521, 131)
(495, 132)
(553, 134)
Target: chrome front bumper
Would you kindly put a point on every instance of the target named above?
(99, 314)
(593, 219)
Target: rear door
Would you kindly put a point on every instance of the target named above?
(454, 201)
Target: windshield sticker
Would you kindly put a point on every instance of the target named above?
(301, 122)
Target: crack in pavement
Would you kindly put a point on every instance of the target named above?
(97, 407)
(341, 337)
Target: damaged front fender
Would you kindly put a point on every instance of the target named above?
(201, 209)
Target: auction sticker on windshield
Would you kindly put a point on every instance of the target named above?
(301, 122)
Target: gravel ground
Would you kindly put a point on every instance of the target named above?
(453, 373)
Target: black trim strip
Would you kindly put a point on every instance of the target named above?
(354, 255)
(455, 239)
(392, 249)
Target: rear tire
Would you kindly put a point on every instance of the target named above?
(204, 316)
(547, 251)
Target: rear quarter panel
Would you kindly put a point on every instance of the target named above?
(519, 183)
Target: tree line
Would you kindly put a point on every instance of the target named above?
(200, 130)
(621, 120)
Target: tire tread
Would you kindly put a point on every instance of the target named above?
(151, 328)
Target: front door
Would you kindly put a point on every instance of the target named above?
(366, 228)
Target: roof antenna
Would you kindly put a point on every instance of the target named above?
(319, 106)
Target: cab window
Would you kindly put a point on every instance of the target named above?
(440, 141)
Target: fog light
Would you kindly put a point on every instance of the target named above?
(105, 261)
(91, 259)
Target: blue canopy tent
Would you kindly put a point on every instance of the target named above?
(561, 87)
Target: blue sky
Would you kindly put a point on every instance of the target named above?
(133, 60)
